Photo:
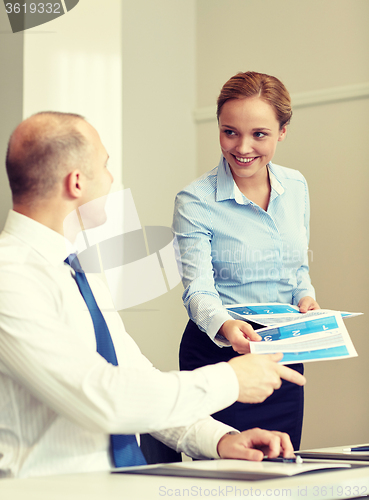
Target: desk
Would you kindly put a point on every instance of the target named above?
(102, 485)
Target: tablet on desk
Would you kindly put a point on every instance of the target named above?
(353, 453)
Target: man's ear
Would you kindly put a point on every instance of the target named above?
(74, 183)
(282, 133)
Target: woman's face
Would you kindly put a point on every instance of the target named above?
(249, 132)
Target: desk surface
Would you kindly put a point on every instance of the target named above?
(341, 484)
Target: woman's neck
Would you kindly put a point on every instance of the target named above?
(256, 188)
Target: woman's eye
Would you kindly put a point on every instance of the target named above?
(259, 135)
(229, 132)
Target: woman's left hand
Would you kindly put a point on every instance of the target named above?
(308, 304)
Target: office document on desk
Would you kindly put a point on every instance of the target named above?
(232, 469)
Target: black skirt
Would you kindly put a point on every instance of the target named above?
(282, 411)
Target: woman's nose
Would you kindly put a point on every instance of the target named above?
(244, 145)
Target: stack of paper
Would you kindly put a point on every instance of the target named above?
(313, 336)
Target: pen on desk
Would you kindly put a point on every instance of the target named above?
(357, 448)
(283, 460)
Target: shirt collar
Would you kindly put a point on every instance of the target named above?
(48, 243)
(275, 181)
(225, 182)
(227, 189)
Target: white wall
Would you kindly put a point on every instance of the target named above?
(11, 100)
(159, 156)
(74, 64)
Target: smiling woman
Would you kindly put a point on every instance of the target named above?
(249, 133)
(238, 227)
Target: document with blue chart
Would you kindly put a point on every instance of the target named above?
(310, 338)
(269, 314)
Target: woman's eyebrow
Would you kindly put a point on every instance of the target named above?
(228, 126)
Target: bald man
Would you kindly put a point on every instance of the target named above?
(61, 400)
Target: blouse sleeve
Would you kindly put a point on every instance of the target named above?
(193, 229)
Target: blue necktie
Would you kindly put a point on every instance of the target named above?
(126, 451)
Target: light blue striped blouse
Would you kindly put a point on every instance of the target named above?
(232, 251)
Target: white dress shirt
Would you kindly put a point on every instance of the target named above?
(59, 399)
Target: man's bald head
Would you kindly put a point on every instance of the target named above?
(41, 151)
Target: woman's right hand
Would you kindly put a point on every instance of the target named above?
(238, 333)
